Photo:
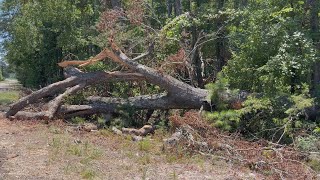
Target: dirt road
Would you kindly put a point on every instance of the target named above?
(9, 84)
(35, 150)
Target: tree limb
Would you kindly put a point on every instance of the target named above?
(76, 79)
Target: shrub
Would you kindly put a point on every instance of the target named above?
(277, 117)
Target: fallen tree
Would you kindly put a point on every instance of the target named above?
(178, 95)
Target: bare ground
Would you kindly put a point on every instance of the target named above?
(9, 84)
(35, 150)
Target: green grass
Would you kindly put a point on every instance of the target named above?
(88, 174)
(8, 97)
(145, 145)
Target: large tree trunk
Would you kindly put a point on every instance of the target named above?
(220, 43)
(314, 26)
(177, 8)
(116, 4)
(177, 95)
(174, 5)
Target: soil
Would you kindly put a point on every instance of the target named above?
(27, 152)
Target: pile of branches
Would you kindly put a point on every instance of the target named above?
(195, 135)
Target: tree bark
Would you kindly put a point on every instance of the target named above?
(314, 26)
(116, 4)
(174, 5)
(177, 8)
(222, 53)
(195, 58)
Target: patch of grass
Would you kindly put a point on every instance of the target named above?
(145, 145)
(56, 143)
(130, 155)
(199, 160)
(8, 97)
(86, 150)
(101, 122)
(145, 159)
(78, 120)
(57, 146)
(314, 163)
(88, 174)
(171, 158)
(80, 157)
(55, 130)
(75, 149)
(69, 168)
(106, 133)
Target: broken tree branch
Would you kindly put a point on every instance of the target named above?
(74, 80)
(55, 104)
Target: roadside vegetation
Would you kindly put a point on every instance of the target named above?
(8, 97)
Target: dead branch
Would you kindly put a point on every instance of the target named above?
(76, 79)
(145, 130)
(54, 104)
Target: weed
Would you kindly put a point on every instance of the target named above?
(85, 161)
(69, 168)
(75, 150)
(199, 160)
(174, 175)
(101, 122)
(145, 159)
(85, 150)
(145, 145)
(88, 174)
(95, 153)
(315, 165)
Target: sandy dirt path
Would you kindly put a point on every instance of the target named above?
(33, 150)
(9, 84)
